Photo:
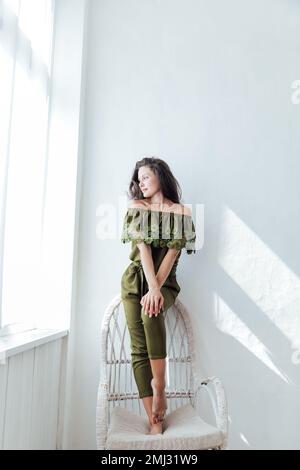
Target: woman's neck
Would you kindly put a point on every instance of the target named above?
(158, 201)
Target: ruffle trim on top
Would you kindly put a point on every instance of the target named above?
(144, 225)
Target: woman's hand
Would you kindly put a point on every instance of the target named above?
(152, 302)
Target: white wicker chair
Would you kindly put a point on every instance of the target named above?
(117, 392)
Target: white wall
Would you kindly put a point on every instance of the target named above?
(207, 86)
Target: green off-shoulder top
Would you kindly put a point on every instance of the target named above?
(160, 229)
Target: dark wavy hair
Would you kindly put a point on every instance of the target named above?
(168, 183)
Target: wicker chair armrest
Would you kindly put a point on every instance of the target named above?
(218, 401)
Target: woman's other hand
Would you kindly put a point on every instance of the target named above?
(152, 302)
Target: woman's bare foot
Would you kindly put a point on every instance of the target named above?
(156, 428)
(159, 405)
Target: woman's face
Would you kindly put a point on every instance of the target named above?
(148, 181)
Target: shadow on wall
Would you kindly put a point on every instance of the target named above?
(256, 300)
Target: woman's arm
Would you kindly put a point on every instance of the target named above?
(151, 304)
(153, 301)
(166, 266)
(156, 280)
(148, 266)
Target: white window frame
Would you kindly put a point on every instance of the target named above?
(64, 153)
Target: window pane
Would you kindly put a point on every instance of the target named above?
(27, 164)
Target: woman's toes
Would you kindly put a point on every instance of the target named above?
(155, 418)
(156, 428)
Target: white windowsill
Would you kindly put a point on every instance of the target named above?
(20, 342)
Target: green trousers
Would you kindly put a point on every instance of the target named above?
(147, 335)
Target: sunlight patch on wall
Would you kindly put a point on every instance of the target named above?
(229, 323)
(243, 438)
(261, 274)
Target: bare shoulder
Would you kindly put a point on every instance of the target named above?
(182, 209)
(145, 204)
(137, 204)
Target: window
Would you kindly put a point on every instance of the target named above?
(26, 33)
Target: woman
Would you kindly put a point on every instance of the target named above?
(158, 226)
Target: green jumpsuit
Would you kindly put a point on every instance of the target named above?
(161, 230)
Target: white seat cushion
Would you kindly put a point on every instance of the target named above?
(183, 429)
